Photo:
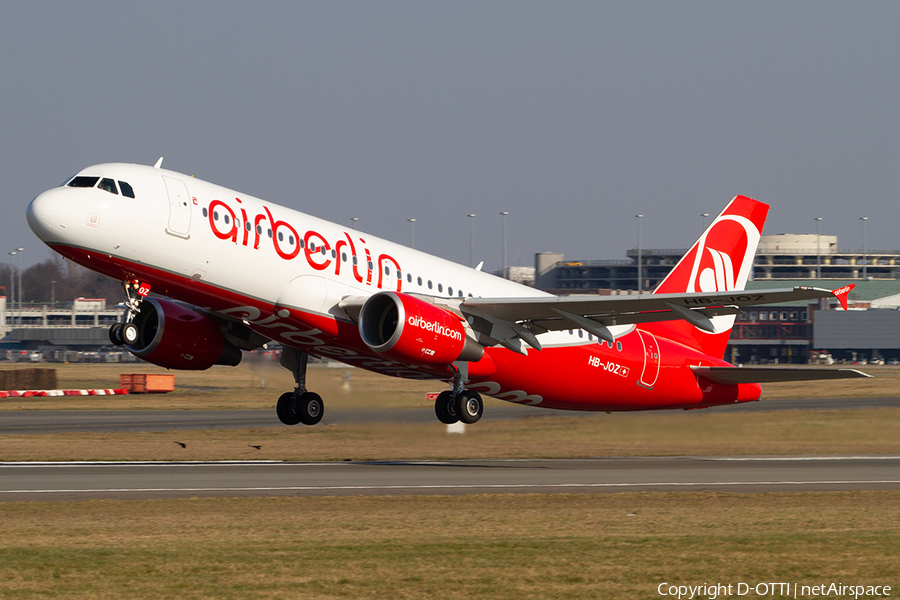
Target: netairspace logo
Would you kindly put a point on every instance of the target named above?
(417, 321)
(771, 590)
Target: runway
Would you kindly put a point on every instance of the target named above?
(57, 421)
(83, 481)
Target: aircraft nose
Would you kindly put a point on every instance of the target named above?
(48, 215)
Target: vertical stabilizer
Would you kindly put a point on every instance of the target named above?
(719, 261)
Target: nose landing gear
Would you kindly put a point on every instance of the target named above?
(127, 333)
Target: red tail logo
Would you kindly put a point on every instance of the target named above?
(720, 261)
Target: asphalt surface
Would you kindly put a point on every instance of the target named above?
(56, 421)
(82, 481)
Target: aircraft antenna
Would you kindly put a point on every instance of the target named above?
(158, 163)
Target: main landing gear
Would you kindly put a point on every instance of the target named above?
(459, 404)
(466, 407)
(127, 333)
(299, 406)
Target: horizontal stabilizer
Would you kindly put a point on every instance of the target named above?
(734, 375)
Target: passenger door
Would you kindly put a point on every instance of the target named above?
(179, 208)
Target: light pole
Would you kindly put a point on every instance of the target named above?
(704, 216)
(412, 235)
(640, 267)
(12, 288)
(818, 250)
(503, 272)
(865, 259)
(19, 288)
(471, 239)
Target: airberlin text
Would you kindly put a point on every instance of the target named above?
(240, 228)
(417, 321)
(780, 589)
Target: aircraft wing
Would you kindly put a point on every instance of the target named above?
(511, 321)
(732, 375)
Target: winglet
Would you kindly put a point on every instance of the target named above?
(841, 294)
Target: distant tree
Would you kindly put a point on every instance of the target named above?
(67, 279)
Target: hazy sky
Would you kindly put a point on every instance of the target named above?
(571, 116)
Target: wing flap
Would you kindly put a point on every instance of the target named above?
(734, 375)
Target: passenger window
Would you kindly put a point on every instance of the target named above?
(409, 277)
(126, 188)
(355, 261)
(205, 212)
(580, 333)
(387, 270)
(247, 226)
(440, 287)
(429, 284)
(258, 227)
(108, 185)
(343, 255)
(82, 181)
(419, 281)
(460, 293)
(449, 291)
(619, 346)
(269, 233)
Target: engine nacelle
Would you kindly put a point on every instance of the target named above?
(176, 337)
(407, 329)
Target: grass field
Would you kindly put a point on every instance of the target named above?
(509, 546)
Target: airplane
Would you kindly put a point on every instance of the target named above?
(230, 272)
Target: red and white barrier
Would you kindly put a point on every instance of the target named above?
(43, 393)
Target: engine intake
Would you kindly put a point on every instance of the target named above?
(174, 336)
(408, 329)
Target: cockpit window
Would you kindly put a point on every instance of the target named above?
(83, 181)
(108, 185)
(126, 188)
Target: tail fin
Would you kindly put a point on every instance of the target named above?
(719, 261)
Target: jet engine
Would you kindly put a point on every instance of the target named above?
(174, 336)
(413, 331)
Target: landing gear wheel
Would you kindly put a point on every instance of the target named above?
(129, 334)
(445, 408)
(115, 334)
(470, 406)
(286, 410)
(311, 408)
(306, 408)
